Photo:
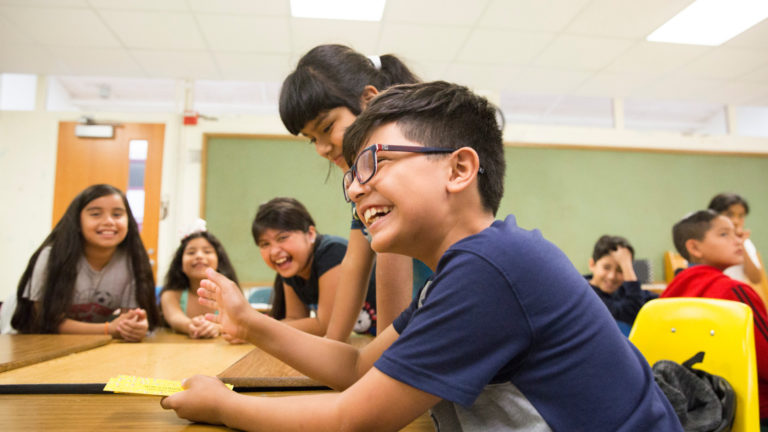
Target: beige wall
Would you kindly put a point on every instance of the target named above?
(28, 160)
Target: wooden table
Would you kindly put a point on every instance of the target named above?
(174, 361)
(259, 369)
(79, 413)
(163, 355)
(22, 350)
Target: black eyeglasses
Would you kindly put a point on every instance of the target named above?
(366, 164)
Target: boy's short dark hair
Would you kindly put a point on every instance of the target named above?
(607, 244)
(693, 226)
(721, 202)
(444, 115)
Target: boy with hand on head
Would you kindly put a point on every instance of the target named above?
(503, 337)
(710, 243)
(614, 280)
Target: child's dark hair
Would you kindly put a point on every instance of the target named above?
(693, 226)
(331, 76)
(283, 214)
(607, 244)
(176, 280)
(721, 202)
(439, 114)
(67, 246)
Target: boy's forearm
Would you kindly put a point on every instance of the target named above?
(293, 413)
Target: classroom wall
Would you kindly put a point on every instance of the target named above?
(28, 161)
(573, 195)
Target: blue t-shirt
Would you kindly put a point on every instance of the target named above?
(510, 335)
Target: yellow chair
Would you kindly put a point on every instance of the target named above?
(677, 328)
(672, 262)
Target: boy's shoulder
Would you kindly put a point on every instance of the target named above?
(701, 281)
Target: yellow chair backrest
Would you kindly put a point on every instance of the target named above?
(672, 262)
(677, 328)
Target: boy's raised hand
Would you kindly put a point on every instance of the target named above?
(220, 293)
(623, 256)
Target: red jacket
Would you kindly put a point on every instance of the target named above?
(709, 282)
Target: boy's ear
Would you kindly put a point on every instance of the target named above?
(694, 248)
(591, 265)
(369, 92)
(464, 166)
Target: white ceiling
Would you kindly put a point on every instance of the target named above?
(560, 47)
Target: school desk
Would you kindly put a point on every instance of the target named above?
(22, 350)
(259, 369)
(163, 355)
(116, 411)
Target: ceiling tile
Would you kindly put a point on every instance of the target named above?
(141, 5)
(725, 63)
(428, 12)
(309, 33)
(495, 46)
(254, 67)
(62, 27)
(427, 70)
(736, 92)
(246, 33)
(253, 7)
(423, 42)
(581, 52)
(98, 61)
(655, 58)
(754, 37)
(156, 30)
(552, 81)
(759, 76)
(28, 59)
(45, 3)
(613, 85)
(679, 87)
(10, 34)
(176, 64)
(625, 18)
(479, 77)
(539, 15)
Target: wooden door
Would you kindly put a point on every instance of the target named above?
(131, 161)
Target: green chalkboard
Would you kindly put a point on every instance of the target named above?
(243, 172)
(572, 195)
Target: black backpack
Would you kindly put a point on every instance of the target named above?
(703, 402)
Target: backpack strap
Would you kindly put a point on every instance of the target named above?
(697, 358)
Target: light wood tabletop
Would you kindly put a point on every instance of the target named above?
(259, 369)
(21, 350)
(110, 412)
(174, 361)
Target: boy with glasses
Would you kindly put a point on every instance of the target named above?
(505, 336)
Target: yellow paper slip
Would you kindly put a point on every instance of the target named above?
(148, 386)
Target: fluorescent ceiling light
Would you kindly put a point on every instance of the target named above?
(711, 22)
(359, 10)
